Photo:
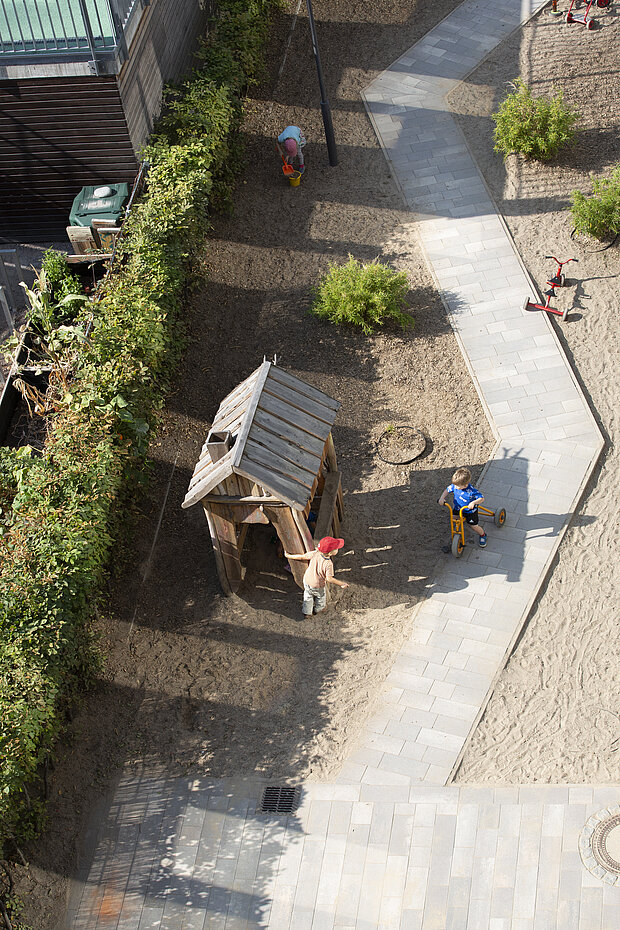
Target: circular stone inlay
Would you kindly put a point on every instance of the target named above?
(599, 845)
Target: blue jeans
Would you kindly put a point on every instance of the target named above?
(314, 600)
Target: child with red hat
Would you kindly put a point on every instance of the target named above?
(319, 573)
(290, 144)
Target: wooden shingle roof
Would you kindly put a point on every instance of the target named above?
(279, 426)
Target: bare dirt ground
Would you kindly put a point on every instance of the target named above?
(553, 716)
(200, 682)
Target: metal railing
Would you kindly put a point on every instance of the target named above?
(32, 29)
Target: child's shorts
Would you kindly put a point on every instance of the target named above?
(471, 516)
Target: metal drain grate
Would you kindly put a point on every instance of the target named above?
(280, 800)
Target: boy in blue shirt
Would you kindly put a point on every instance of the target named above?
(465, 495)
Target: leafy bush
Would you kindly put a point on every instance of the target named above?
(235, 55)
(59, 280)
(57, 509)
(59, 293)
(368, 296)
(535, 127)
(599, 215)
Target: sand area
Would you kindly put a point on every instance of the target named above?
(554, 715)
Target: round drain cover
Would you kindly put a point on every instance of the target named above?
(599, 845)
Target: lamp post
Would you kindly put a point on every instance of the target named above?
(325, 108)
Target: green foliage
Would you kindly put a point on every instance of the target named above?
(57, 509)
(58, 279)
(55, 300)
(368, 296)
(599, 215)
(535, 127)
(232, 53)
(63, 288)
(14, 909)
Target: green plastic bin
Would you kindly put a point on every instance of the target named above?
(104, 202)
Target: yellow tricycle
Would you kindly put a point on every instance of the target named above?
(457, 525)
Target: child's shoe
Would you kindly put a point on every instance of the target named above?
(482, 541)
(301, 169)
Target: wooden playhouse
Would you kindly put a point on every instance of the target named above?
(269, 458)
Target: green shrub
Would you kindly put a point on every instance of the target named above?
(59, 294)
(368, 296)
(234, 55)
(535, 127)
(57, 509)
(599, 215)
(58, 278)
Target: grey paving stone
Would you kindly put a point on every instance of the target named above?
(382, 792)
(411, 919)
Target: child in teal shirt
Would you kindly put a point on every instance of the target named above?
(290, 145)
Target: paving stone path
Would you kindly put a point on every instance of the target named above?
(182, 854)
(391, 844)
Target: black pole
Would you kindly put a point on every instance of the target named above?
(325, 108)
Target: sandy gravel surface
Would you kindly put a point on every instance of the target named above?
(554, 715)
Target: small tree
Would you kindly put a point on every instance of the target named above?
(599, 215)
(367, 296)
(535, 127)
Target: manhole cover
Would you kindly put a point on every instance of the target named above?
(599, 845)
(280, 800)
(400, 445)
(606, 843)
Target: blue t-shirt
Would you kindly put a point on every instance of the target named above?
(464, 496)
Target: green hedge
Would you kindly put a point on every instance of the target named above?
(56, 509)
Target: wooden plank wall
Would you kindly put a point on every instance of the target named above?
(56, 136)
(160, 51)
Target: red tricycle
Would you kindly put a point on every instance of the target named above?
(558, 280)
(583, 20)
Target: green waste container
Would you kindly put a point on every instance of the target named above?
(104, 202)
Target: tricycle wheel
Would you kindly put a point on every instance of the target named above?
(602, 3)
(569, 17)
(526, 304)
(590, 24)
(457, 546)
(500, 517)
(564, 314)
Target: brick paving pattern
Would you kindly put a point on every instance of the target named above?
(194, 854)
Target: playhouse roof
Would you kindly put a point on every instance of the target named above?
(279, 426)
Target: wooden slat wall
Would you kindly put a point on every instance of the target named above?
(56, 136)
(160, 51)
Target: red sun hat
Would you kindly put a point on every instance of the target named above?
(329, 544)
